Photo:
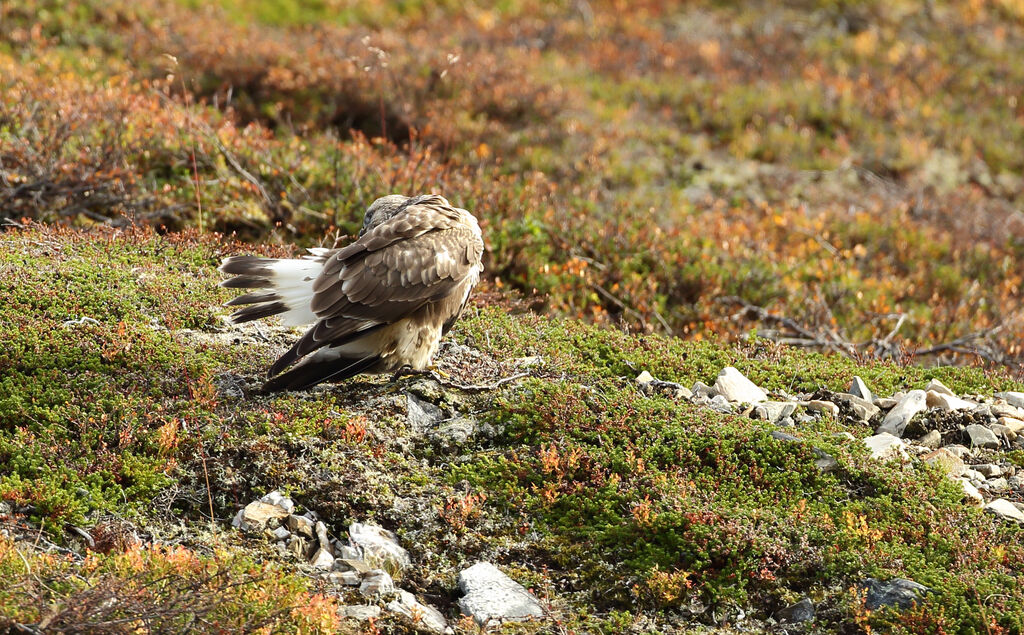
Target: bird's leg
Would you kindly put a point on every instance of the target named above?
(430, 371)
(407, 370)
(440, 373)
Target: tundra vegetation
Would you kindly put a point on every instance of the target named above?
(806, 192)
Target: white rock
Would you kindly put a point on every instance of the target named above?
(279, 534)
(931, 439)
(361, 612)
(347, 578)
(973, 475)
(700, 389)
(859, 389)
(1015, 399)
(732, 385)
(886, 446)
(895, 422)
(947, 402)
(887, 403)
(258, 513)
(300, 525)
(958, 450)
(824, 407)
(863, 408)
(277, 498)
(939, 387)
(1000, 430)
(322, 559)
(945, 460)
(377, 582)
(981, 437)
(380, 546)
(971, 493)
(1006, 509)
(1006, 410)
(997, 484)
(773, 410)
(321, 535)
(421, 615)
(644, 378)
(1015, 425)
(491, 597)
(989, 470)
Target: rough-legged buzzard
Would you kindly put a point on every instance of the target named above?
(376, 305)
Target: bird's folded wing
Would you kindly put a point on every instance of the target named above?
(419, 256)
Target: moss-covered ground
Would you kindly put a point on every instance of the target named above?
(128, 408)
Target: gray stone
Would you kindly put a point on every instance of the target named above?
(988, 470)
(946, 402)
(782, 436)
(945, 460)
(895, 422)
(258, 514)
(361, 612)
(859, 389)
(346, 578)
(279, 534)
(1013, 425)
(997, 484)
(939, 387)
(377, 582)
(773, 410)
(322, 559)
(347, 552)
(825, 461)
(644, 378)
(823, 407)
(321, 535)
(380, 547)
(802, 611)
(862, 409)
(886, 446)
(300, 525)
(454, 432)
(1002, 431)
(1005, 509)
(981, 437)
(971, 492)
(897, 592)
(721, 404)
(422, 615)
(958, 450)
(298, 546)
(1015, 399)
(491, 597)
(734, 386)
(931, 439)
(1006, 410)
(280, 500)
(886, 403)
(421, 415)
(346, 564)
(700, 389)
(975, 477)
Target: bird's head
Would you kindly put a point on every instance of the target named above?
(382, 209)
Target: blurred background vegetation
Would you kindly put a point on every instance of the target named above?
(838, 175)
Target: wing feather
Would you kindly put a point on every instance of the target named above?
(390, 272)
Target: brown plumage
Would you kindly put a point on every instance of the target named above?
(378, 304)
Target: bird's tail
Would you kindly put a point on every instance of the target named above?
(281, 287)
